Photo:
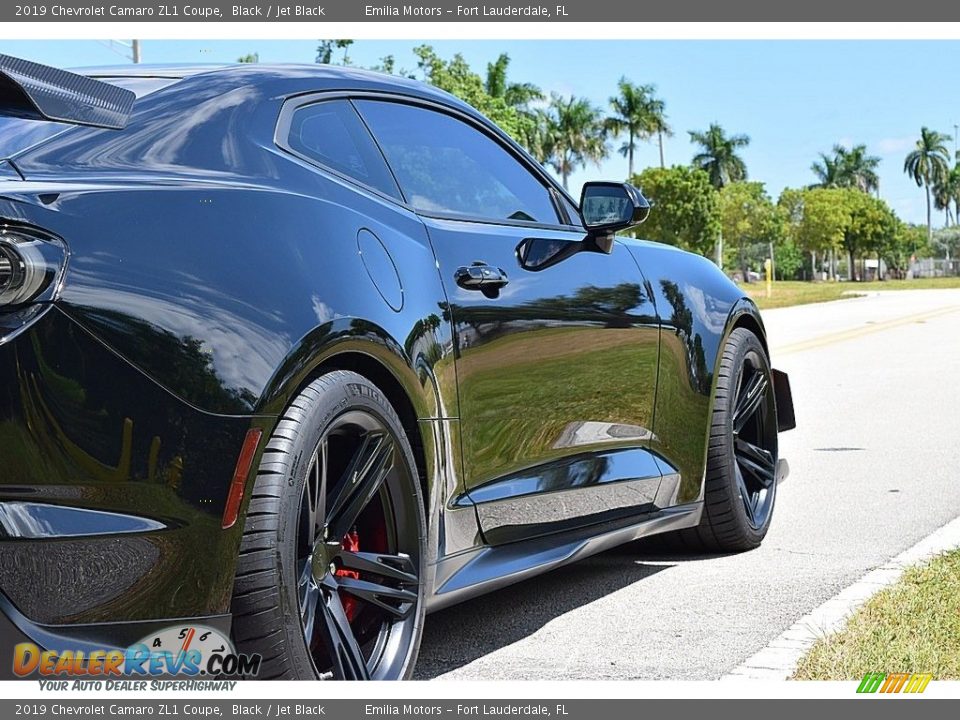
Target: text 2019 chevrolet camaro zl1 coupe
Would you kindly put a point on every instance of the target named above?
(301, 353)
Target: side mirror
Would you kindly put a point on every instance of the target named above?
(608, 207)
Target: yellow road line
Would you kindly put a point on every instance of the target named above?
(856, 332)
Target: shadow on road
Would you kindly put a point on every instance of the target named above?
(459, 635)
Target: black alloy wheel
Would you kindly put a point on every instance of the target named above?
(741, 478)
(343, 599)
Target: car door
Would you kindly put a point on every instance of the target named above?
(556, 341)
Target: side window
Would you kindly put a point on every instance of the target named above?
(331, 133)
(445, 165)
(572, 210)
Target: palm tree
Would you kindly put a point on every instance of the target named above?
(575, 135)
(518, 96)
(927, 165)
(639, 113)
(828, 172)
(658, 123)
(946, 194)
(847, 168)
(943, 198)
(954, 184)
(718, 155)
(859, 168)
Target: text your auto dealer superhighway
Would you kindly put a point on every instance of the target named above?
(85, 11)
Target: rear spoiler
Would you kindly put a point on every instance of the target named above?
(38, 92)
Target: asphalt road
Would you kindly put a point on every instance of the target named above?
(874, 468)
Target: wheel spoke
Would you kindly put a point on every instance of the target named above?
(392, 567)
(314, 491)
(370, 466)
(745, 496)
(757, 461)
(395, 601)
(309, 601)
(749, 400)
(348, 660)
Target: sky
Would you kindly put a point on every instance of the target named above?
(794, 99)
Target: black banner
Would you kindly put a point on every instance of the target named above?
(470, 11)
(185, 709)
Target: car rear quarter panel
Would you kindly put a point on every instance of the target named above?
(221, 297)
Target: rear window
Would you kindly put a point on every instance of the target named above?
(18, 134)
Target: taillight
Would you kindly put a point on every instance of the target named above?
(31, 266)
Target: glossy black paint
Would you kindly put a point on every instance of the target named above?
(83, 432)
(213, 273)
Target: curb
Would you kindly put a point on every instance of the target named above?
(779, 659)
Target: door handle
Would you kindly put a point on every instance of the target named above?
(480, 276)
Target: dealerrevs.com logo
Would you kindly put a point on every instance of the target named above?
(190, 651)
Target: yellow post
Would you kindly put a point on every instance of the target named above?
(768, 267)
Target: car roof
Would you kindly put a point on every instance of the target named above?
(168, 70)
(283, 79)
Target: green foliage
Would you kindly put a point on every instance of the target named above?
(818, 220)
(455, 77)
(946, 192)
(873, 227)
(929, 162)
(638, 113)
(928, 165)
(573, 135)
(686, 207)
(718, 155)
(326, 49)
(249, 58)
(946, 243)
(815, 219)
(847, 169)
(518, 96)
(750, 221)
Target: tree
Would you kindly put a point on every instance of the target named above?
(457, 78)
(871, 228)
(946, 193)
(639, 114)
(326, 48)
(718, 155)
(946, 243)
(815, 220)
(851, 168)
(518, 96)
(828, 172)
(748, 219)
(249, 58)
(908, 241)
(686, 207)
(575, 134)
(927, 165)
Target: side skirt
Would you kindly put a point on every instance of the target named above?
(477, 572)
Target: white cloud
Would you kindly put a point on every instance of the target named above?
(888, 146)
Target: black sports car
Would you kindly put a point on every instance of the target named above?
(302, 353)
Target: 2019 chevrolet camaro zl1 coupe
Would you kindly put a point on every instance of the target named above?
(302, 353)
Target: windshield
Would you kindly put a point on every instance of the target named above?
(18, 134)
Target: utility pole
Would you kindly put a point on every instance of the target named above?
(135, 46)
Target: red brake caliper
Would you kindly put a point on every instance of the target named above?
(350, 543)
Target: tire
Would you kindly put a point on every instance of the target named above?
(335, 523)
(741, 486)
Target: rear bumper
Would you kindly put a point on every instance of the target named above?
(111, 488)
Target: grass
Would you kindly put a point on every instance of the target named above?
(790, 292)
(911, 626)
(509, 390)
